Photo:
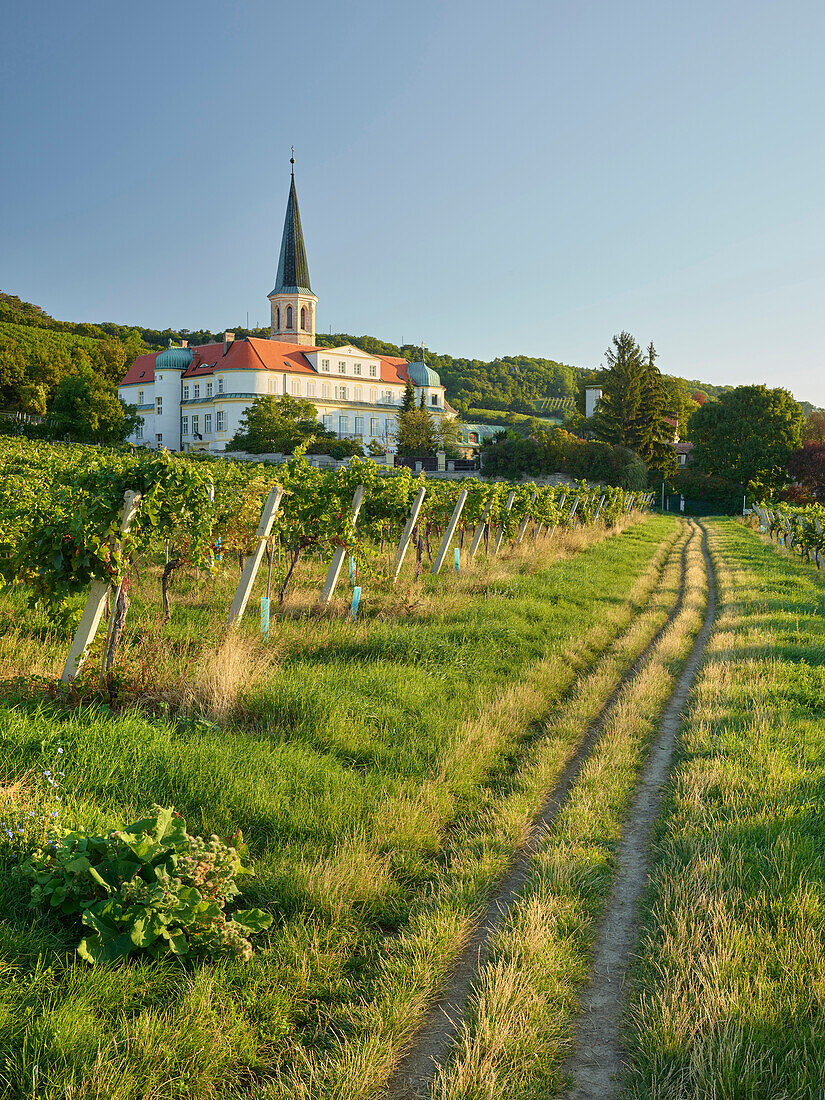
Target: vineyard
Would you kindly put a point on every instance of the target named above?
(801, 530)
(340, 784)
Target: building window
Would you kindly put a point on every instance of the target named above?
(341, 393)
(387, 397)
(303, 319)
(359, 426)
(296, 387)
(325, 389)
(195, 425)
(374, 429)
(325, 364)
(139, 432)
(473, 437)
(373, 370)
(197, 392)
(220, 385)
(342, 367)
(159, 406)
(208, 389)
(328, 422)
(356, 368)
(185, 393)
(207, 423)
(289, 316)
(277, 319)
(159, 437)
(343, 426)
(184, 425)
(221, 421)
(357, 394)
(434, 399)
(310, 389)
(374, 396)
(140, 397)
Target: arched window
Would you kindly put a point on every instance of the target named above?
(303, 320)
(278, 319)
(358, 394)
(289, 316)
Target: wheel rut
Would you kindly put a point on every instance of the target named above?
(596, 1063)
(433, 1041)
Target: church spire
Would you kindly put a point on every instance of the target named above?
(292, 301)
(293, 269)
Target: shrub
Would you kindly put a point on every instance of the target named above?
(150, 887)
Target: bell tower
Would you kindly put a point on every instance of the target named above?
(291, 300)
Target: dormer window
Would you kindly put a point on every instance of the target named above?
(373, 370)
(434, 400)
(356, 368)
(325, 364)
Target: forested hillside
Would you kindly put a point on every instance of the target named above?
(36, 351)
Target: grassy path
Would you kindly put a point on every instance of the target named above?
(518, 1026)
(729, 993)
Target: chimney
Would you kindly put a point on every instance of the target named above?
(184, 343)
(228, 338)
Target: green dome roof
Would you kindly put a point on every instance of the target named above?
(174, 358)
(422, 375)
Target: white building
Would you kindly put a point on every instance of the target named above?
(194, 398)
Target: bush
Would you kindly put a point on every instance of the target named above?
(150, 887)
(716, 493)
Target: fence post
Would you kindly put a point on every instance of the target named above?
(479, 532)
(93, 611)
(500, 535)
(448, 534)
(340, 552)
(406, 534)
(250, 569)
(525, 521)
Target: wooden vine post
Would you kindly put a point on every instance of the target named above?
(406, 534)
(96, 602)
(250, 569)
(526, 520)
(340, 552)
(500, 535)
(448, 534)
(479, 531)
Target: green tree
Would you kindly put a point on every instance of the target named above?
(813, 430)
(747, 436)
(416, 433)
(278, 425)
(408, 402)
(88, 409)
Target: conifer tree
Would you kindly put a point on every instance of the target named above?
(408, 402)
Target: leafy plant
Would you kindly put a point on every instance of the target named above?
(150, 887)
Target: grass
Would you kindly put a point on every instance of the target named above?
(370, 767)
(520, 1020)
(730, 985)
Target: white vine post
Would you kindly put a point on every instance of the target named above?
(250, 569)
(500, 535)
(406, 534)
(573, 511)
(526, 520)
(598, 510)
(479, 532)
(448, 534)
(340, 552)
(552, 530)
(96, 602)
(818, 526)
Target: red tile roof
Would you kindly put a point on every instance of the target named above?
(255, 354)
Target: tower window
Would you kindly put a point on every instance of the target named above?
(221, 422)
(184, 425)
(278, 319)
(435, 399)
(139, 432)
(220, 385)
(303, 319)
(159, 405)
(140, 397)
(289, 316)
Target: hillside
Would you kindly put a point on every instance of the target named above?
(36, 351)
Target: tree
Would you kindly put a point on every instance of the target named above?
(747, 436)
(88, 409)
(807, 467)
(635, 409)
(813, 430)
(278, 425)
(416, 433)
(408, 401)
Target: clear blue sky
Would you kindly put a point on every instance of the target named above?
(492, 179)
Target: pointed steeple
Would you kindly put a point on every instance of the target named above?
(293, 269)
(291, 300)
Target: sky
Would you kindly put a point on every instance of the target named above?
(488, 179)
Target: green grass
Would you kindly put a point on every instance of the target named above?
(353, 760)
(730, 987)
